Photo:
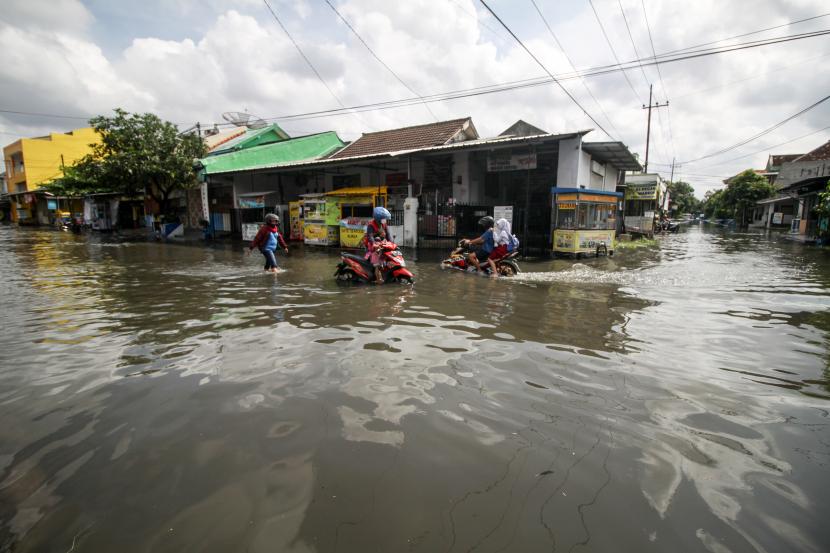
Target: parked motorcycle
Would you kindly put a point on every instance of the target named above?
(356, 268)
(506, 266)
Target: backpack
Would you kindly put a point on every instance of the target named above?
(513, 245)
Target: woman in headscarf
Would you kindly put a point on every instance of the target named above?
(501, 238)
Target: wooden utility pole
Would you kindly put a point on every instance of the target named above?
(648, 126)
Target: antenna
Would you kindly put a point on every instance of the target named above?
(244, 119)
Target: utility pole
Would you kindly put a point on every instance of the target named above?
(671, 179)
(648, 126)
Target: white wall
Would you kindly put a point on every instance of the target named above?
(567, 173)
(461, 171)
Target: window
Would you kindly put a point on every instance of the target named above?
(360, 210)
(566, 216)
(345, 181)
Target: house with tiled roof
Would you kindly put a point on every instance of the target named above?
(439, 172)
(799, 180)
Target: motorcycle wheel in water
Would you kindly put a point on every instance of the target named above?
(356, 268)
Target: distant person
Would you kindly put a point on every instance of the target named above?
(376, 231)
(267, 240)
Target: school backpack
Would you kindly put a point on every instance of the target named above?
(513, 245)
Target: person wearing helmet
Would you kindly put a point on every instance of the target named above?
(483, 245)
(267, 240)
(376, 231)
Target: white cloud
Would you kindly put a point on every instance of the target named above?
(241, 60)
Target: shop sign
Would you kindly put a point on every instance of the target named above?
(777, 218)
(641, 191)
(503, 212)
(566, 205)
(249, 230)
(203, 189)
(515, 162)
(315, 233)
(252, 202)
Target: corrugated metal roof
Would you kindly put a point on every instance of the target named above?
(455, 146)
(615, 153)
(303, 148)
(251, 138)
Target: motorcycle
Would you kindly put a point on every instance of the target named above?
(506, 266)
(356, 268)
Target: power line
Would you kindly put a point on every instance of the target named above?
(305, 58)
(613, 51)
(749, 33)
(573, 66)
(37, 114)
(554, 79)
(660, 75)
(360, 38)
(760, 134)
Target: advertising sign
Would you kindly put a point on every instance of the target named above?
(52, 205)
(514, 162)
(641, 191)
(315, 233)
(503, 212)
(582, 241)
(777, 218)
(296, 221)
(352, 231)
(252, 202)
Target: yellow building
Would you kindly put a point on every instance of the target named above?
(33, 162)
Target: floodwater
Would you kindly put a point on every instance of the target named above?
(160, 397)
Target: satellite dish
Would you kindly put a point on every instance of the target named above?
(244, 119)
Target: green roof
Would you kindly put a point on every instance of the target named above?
(253, 137)
(303, 148)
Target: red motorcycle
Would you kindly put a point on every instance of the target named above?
(506, 266)
(356, 268)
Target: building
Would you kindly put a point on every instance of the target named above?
(33, 162)
(646, 198)
(801, 181)
(441, 176)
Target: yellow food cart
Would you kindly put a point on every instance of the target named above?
(354, 208)
(584, 221)
(295, 216)
(320, 220)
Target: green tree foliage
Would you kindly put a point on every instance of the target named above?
(743, 191)
(823, 205)
(737, 200)
(138, 154)
(682, 196)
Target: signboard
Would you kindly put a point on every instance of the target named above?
(352, 231)
(503, 212)
(52, 205)
(295, 220)
(641, 191)
(249, 230)
(205, 207)
(515, 162)
(778, 218)
(582, 241)
(252, 202)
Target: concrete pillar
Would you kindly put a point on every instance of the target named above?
(410, 222)
(461, 177)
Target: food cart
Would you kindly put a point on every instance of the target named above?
(355, 206)
(321, 218)
(584, 221)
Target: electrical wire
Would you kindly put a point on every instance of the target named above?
(662, 84)
(573, 66)
(360, 38)
(614, 52)
(542, 65)
(760, 134)
(305, 58)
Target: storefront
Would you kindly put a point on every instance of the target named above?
(584, 221)
(321, 220)
(645, 199)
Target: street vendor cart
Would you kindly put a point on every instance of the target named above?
(584, 221)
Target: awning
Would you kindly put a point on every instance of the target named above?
(613, 153)
(358, 191)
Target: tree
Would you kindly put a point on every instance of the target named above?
(714, 206)
(744, 191)
(682, 196)
(138, 154)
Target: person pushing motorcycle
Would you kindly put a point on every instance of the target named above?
(376, 231)
(485, 243)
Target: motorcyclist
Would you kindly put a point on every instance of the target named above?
(376, 231)
(485, 243)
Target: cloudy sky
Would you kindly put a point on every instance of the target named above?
(192, 60)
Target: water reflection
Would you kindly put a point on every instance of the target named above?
(168, 398)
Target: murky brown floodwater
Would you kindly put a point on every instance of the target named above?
(172, 398)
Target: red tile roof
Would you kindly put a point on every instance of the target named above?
(822, 152)
(406, 138)
(776, 160)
